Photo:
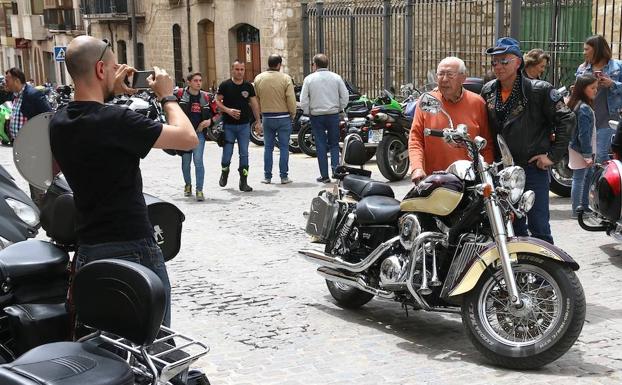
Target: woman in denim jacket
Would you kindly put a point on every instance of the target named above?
(608, 102)
(581, 147)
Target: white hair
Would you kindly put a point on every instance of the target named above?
(461, 66)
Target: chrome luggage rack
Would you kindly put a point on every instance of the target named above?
(168, 356)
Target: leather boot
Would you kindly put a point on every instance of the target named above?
(224, 175)
(243, 180)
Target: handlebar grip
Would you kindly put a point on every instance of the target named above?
(433, 132)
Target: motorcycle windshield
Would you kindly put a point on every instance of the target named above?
(32, 153)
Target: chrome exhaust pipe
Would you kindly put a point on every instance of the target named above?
(434, 281)
(354, 281)
(335, 262)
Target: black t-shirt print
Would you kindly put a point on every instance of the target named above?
(195, 109)
(237, 96)
(98, 148)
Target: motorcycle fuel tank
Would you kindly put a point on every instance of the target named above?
(605, 196)
(437, 194)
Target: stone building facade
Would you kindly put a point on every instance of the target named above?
(207, 36)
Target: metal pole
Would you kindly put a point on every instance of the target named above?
(352, 47)
(408, 41)
(499, 13)
(386, 48)
(319, 28)
(134, 33)
(515, 20)
(306, 54)
(189, 36)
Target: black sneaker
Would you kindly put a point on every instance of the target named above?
(323, 179)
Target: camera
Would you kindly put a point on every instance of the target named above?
(139, 79)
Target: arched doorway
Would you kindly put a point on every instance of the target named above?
(207, 54)
(248, 50)
(179, 75)
(121, 52)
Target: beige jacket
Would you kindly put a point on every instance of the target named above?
(275, 91)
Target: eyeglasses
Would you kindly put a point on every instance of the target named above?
(503, 62)
(447, 74)
(108, 45)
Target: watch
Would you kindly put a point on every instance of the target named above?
(169, 98)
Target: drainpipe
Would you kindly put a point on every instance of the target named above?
(134, 33)
(189, 36)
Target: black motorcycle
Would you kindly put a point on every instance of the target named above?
(449, 246)
(20, 215)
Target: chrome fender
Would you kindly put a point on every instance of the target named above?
(471, 274)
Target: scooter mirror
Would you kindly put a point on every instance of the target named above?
(506, 155)
(32, 153)
(430, 104)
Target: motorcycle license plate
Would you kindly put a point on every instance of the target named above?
(374, 136)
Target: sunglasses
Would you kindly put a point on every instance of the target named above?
(503, 62)
(108, 45)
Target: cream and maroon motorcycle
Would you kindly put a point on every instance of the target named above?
(448, 246)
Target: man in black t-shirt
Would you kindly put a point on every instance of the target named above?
(236, 100)
(99, 147)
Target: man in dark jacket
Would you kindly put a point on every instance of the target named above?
(27, 103)
(525, 112)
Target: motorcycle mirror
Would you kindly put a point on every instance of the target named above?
(506, 155)
(32, 153)
(429, 103)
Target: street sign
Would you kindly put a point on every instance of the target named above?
(59, 53)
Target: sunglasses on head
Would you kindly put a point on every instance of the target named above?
(108, 45)
(503, 62)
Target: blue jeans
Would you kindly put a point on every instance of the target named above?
(537, 220)
(325, 129)
(241, 133)
(603, 143)
(271, 128)
(197, 157)
(144, 251)
(580, 188)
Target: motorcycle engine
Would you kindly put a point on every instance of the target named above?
(393, 270)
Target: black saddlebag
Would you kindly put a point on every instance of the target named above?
(33, 271)
(32, 325)
(322, 217)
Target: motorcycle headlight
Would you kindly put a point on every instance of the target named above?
(513, 180)
(24, 212)
(527, 201)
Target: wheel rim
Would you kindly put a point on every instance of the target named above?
(309, 141)
(562, 173)
(256, 134)
(538, 317)
(396, 147)
(342, 286)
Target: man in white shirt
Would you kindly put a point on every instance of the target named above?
(323, 96)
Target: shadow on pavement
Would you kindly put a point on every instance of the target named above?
(561, 214)
(442, 337)
(255, 192)
(614, 251)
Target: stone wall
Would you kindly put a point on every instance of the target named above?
(612, 12)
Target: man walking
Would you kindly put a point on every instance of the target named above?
(196, 105)
(323, 96)
(524, 111)
(427, 153)
(275, 91)
(235, 99)
(99, 148)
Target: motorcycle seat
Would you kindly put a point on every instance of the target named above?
(67, 363)
(377, 210)
(32, 258)
(363, 187)
(357, 113)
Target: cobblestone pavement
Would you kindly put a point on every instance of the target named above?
(239, 285)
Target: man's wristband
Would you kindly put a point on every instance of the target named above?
(169, 98)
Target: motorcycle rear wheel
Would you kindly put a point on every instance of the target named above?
(542, 331)
(561, 178)
(306, 141)
(347, 296)
(256, 136)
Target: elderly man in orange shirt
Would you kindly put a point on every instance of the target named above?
(427, 153)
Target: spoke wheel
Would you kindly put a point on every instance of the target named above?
(387, 156)
(561, 178)
(539, 332)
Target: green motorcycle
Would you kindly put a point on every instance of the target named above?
(5, 115)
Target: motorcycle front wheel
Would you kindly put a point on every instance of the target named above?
(256, 135)
(542, 330)
(387, 156)
(561, 178)
(347, 296)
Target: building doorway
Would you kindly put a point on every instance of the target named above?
(207, 54)
(248, 50)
